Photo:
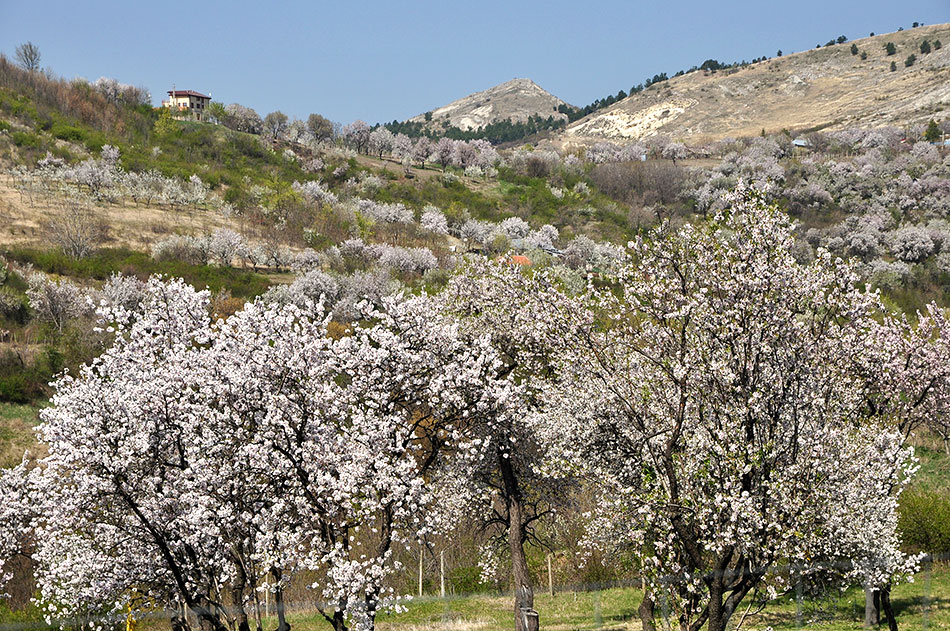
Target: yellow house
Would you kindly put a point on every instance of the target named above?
(188, 101)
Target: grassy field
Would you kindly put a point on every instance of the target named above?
(16, 431)
(923, 604)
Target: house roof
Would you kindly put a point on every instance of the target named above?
(188, 93)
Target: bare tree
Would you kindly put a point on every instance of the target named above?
(320, 127)
(28, 56)
(77, 230)
(275, 124)
(55, 302)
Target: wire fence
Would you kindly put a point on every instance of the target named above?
(922, 604)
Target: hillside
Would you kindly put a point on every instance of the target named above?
(517, 100)
(822, 88)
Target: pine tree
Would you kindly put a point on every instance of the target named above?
(933, 131)
(165, 125)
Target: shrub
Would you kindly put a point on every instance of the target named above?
(25, 381)
(13, 307)
(94, 141)
(911, 243)
(68, 133)
(25, 139)
(924, 521)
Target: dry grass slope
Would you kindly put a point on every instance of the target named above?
(825, 88)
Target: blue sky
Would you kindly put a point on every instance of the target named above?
(381, 61)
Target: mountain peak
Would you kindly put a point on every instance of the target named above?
(516, 99)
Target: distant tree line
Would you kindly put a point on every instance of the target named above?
(710, 65)
(497, 132)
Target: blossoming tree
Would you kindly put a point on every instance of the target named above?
(199, 463)
(496, 471)
(718, 409)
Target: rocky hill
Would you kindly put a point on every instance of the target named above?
(516, 100)
(823, 88)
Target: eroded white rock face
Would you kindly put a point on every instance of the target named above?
(624, 124)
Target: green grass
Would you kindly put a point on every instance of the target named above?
(934, 473)
(99, 266)
(607, 609)
(927, 600)
(16, 431)
(922, 604)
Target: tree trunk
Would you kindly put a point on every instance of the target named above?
(646, 610)
(207, 619)
(718, 618)
(871, 609)
(282, 624)
(886, 607)
(339, 623)
(237, 595)
(237, 599)
(524, 592)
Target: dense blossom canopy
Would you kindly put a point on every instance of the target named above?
(195, 454)
(719, 408)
